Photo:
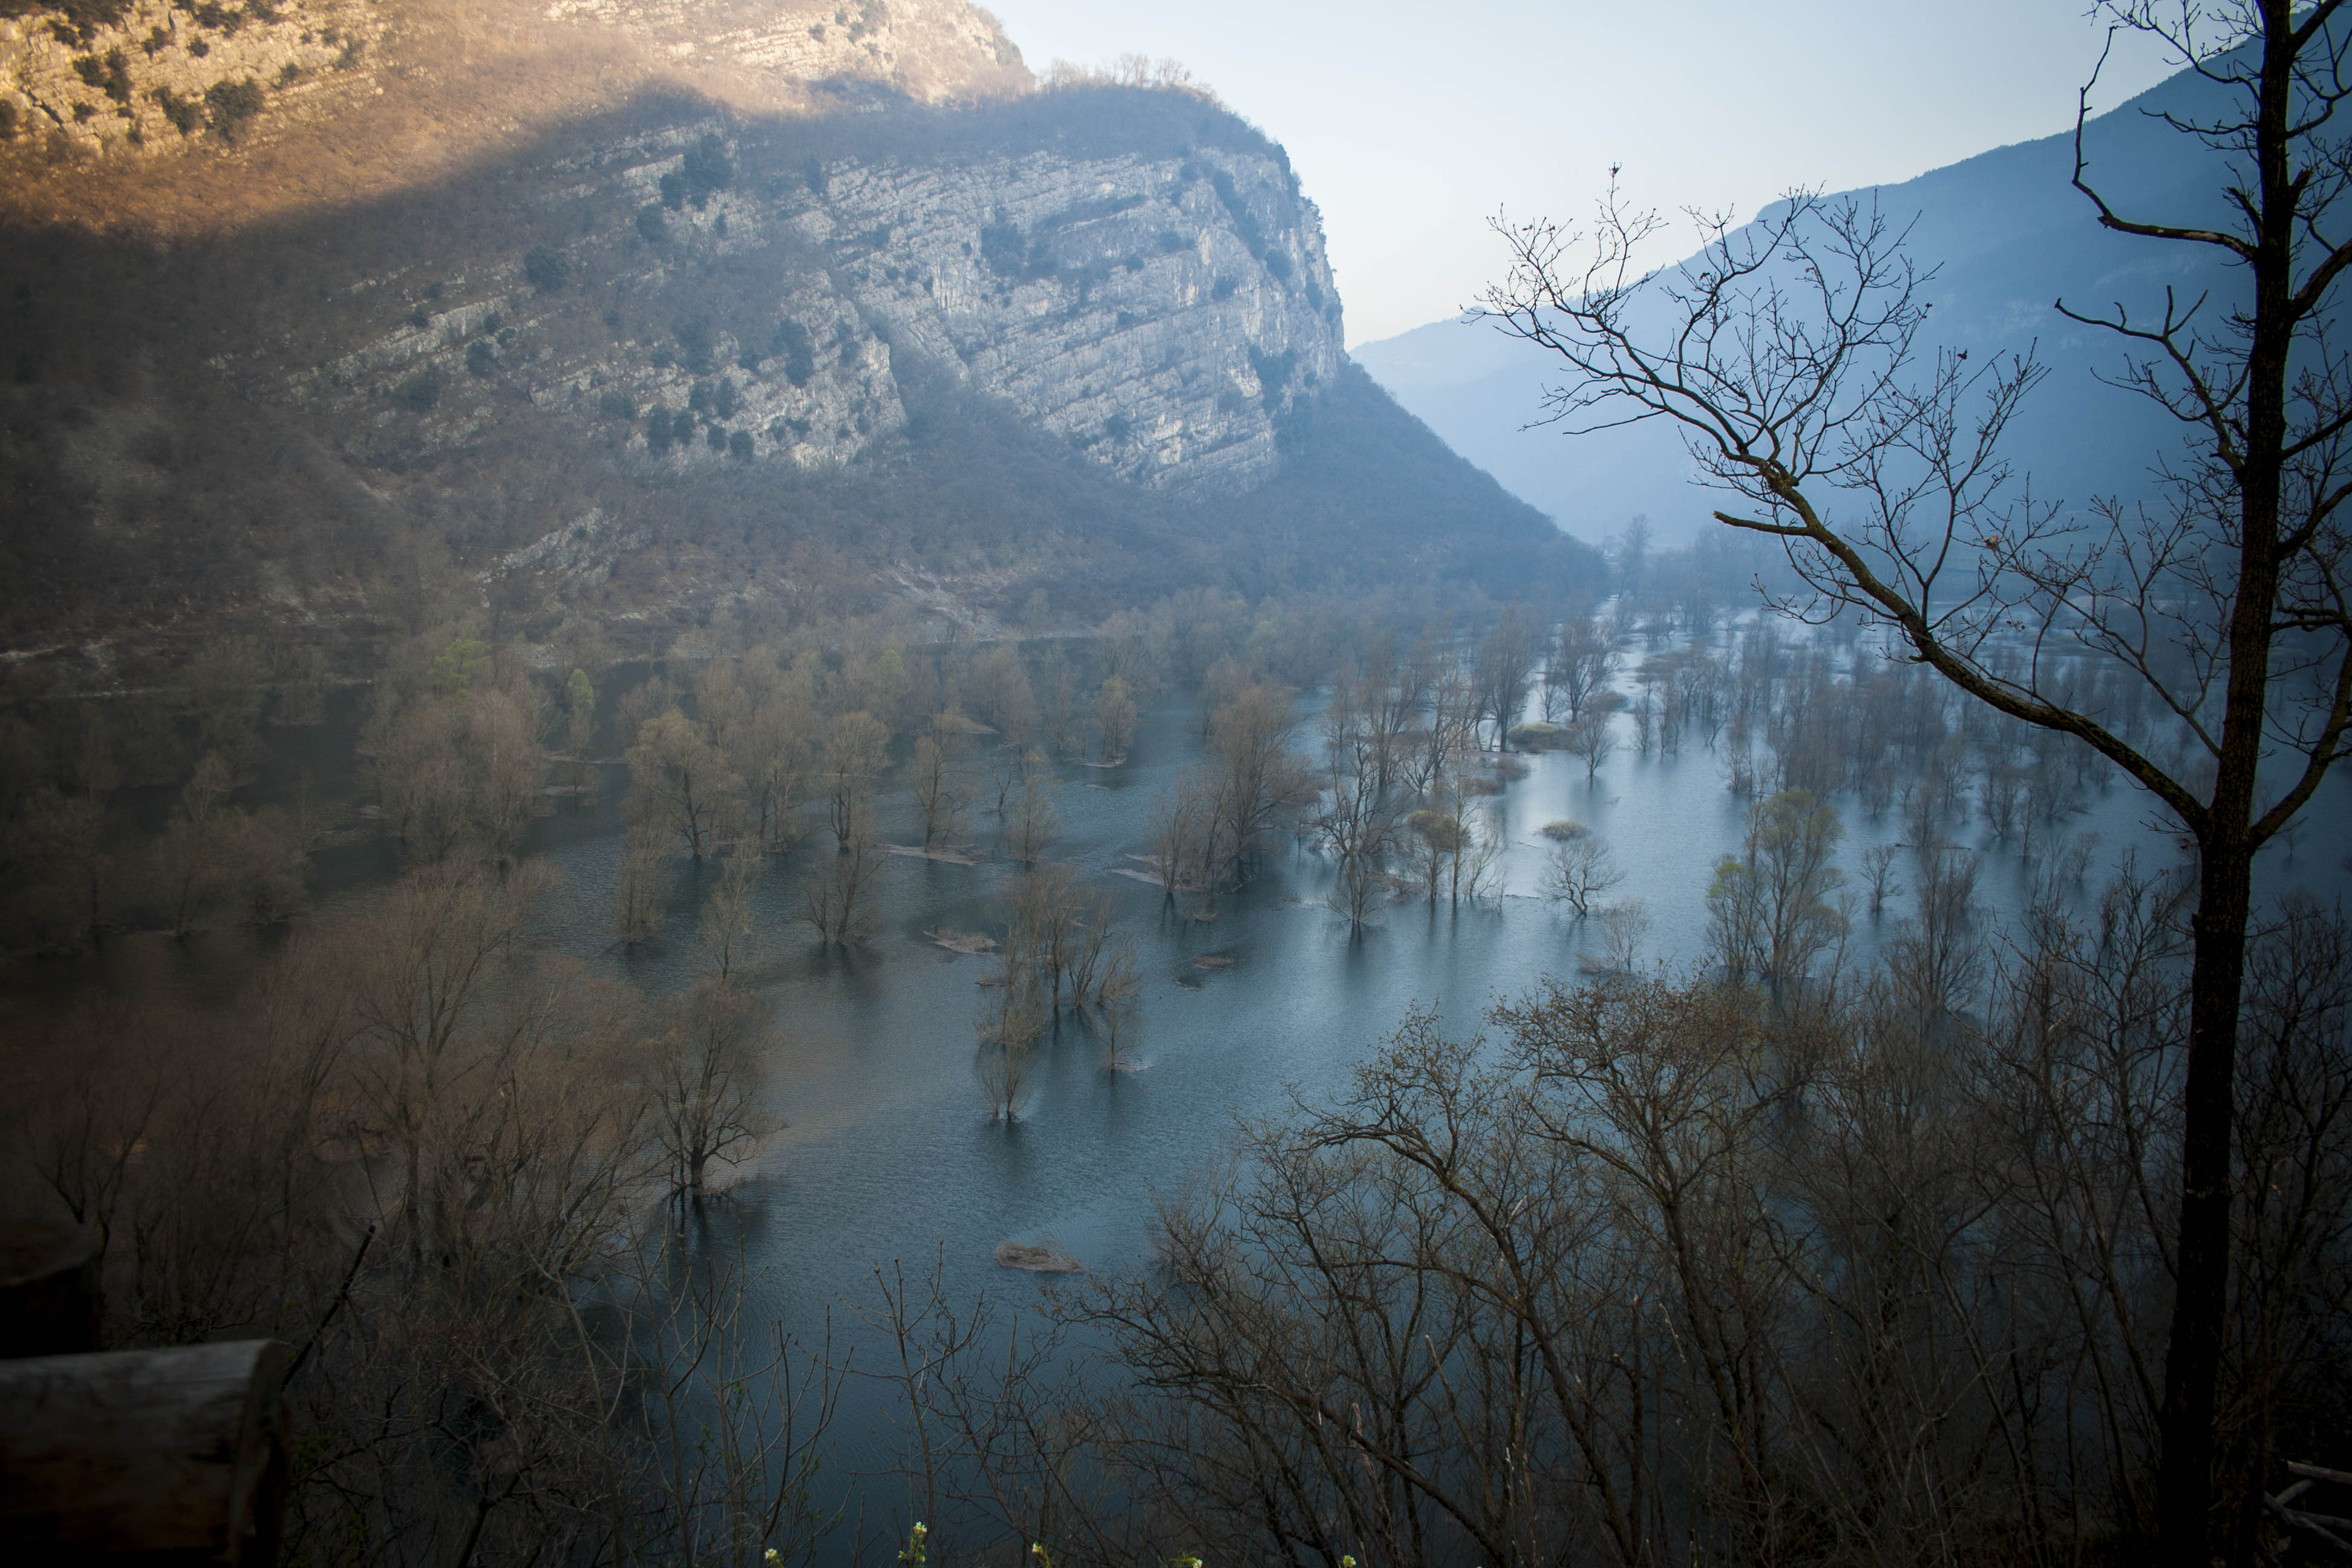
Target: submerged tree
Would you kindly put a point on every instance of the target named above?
(704, 1083)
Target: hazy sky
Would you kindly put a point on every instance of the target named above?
(1411, 124)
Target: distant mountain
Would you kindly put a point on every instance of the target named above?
(2009, 237)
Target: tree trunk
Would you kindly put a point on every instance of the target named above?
(2201, 1266)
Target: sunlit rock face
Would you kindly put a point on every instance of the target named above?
(134, 78)
(935, 51)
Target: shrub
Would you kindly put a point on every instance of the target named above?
(1119, 427)
(481, 358)
(716, 438)
(82, 18)
(657, 428)
(545, 268)
(233, 105)
(1225, 289)
(1272, 371)
(111, 76)
(813, 173)
(673, 190)
(289, 73)
(652, 226)
(185, 113)
(739, 446)
(1538, 736)
(7, 119)
(421, 391)
(695, 341)
(1004, 248)
(705, 170)
(792, 340)
(616, 404)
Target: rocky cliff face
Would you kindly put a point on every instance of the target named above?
(1163, 314)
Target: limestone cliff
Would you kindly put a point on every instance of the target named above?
(1161, 313)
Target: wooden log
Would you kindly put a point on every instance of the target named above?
(48, 1288)
(160, 1457)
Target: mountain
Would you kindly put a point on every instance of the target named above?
(744, 329)
(2006, 235)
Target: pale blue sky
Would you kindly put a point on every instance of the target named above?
(1409, 124)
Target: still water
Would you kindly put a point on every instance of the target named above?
(886, 1150)
(889, 1152)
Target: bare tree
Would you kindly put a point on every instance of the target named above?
(1256, 778)
(838, 900)
(637, 896)
(727, 923)
(857, 744)
(678, 780)
(939, 787)
(1580, 868)
(1034, 824)
(705, 1084)
(1009, 1027)
(1878, 871)
(1582, 660)
(774, 749)
(1117, 1012)
(1360, 823)
(1790, 355)
(1114, 720)
(1505, 669)
(1590, 742)
(1623, 928)
(1769, 910)
(1182, 817)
